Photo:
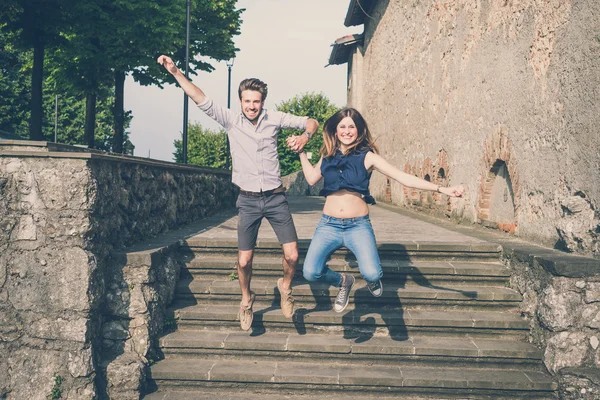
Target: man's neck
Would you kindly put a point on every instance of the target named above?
(255, 120)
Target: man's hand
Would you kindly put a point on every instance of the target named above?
(453, 191)
(168, 64)
(297, 143)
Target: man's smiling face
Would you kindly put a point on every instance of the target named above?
(252, 104)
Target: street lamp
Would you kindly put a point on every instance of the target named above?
(185, 97)
(229, 64)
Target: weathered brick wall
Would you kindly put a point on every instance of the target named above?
(70, 306)
(488, 87)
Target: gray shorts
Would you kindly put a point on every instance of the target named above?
(274, 208)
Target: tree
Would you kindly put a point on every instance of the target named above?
(212, 27)
(34, 25)
(313, 105)
(97, 43)
(72, 117)
(15, 110)
(206, 147)
(14, 86)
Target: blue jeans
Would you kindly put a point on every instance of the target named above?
(356, 234)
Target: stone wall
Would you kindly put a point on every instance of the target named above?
(499, 90)
(77, 316)
(296, 185)
(561, 299)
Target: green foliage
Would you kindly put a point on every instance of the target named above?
(313, 105)
(233, 276)
(213, 24)
(71, 121)
(205, 147)
(35, 25)
(56, 392)
(15, 86)
(14, 107)
(90, 45)
(209, 149)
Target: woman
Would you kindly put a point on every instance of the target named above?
(348, 157)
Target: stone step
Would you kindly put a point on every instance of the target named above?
(281, 394)
(416, 351)
(395, 293)
(356, 321)
(387, 249)
(303, 377)
(484, 273)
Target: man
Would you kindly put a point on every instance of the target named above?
(253, 143)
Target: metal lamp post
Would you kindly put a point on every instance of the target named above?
(185, 97)
(229, 64)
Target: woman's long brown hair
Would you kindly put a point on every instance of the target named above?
(364, 140)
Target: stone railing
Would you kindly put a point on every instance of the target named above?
(296, 185)
(561, 299)
(78, 314)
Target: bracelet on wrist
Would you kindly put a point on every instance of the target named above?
(308, 135)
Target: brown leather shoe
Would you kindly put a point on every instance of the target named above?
(246, 314)
(287, 301)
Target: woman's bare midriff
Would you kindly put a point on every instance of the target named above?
(345, 204)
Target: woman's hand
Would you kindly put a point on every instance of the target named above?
(168, 64)
(453, 191)
(297, 143)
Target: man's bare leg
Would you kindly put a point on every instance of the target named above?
(245, 273)
(290, 261)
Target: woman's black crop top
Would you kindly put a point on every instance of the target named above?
(346, 172)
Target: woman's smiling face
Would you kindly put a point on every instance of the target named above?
(346, 132)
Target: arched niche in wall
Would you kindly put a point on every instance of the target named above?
(427, 172)
(441, 175)
(441, 178)
(497, 203)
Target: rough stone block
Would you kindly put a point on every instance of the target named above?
(125, 375)
(565, 349)
(80, 363)
(559, 308)
(68, 326)
(61, 284)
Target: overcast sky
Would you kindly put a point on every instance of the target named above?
(285, 43)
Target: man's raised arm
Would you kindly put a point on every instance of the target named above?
(188, 87)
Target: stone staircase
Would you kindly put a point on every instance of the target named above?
(446, 327)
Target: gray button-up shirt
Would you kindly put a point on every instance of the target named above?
(253, 148)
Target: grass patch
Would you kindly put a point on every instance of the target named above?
(56, 392)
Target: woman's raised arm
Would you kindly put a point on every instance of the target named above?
(312, 174)
(379, 163)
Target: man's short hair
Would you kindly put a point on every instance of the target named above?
(253, 84)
